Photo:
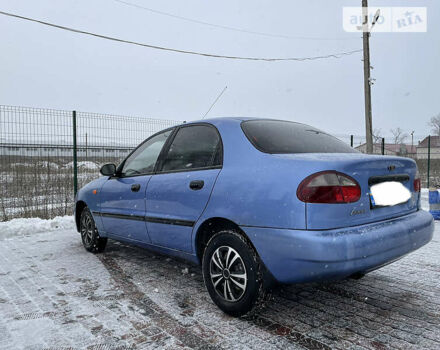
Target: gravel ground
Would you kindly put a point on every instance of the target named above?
(55, 295)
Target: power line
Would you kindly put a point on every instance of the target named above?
(235, 29)
(267, 59)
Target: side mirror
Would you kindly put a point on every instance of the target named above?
(108, 170)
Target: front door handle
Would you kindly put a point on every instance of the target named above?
(196, 185)
(135, 187)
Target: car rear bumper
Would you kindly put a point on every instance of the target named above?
(294, 256)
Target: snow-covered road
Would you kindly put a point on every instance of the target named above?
(55, 295)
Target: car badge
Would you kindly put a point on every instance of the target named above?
(391, 167)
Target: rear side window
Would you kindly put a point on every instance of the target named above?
(194, 147)
(277, 136)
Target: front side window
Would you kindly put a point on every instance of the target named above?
(278, 136)
(143, 160)
(194, 147)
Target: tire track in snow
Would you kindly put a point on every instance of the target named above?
(158, 315)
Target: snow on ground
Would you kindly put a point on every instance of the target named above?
(55, 295)
(45, 164)
(19, 227)
(84, 165)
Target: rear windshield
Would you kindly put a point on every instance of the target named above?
(278, 136)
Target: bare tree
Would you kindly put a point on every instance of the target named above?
(434, 123)
(377, 135)
(399, 136)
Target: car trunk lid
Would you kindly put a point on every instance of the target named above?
(367, 170)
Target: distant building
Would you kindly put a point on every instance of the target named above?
(422, 148)
(391, 149)
(46, 151)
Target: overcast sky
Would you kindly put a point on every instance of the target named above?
(46, 67)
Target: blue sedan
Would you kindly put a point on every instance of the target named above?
(256, 201)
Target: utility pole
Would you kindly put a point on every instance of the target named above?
(367, 81)
(429, 157)
(412, 142)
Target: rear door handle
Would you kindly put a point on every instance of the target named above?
(135, 187)
(196, 185)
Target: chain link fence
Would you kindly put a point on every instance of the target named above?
(38, 167)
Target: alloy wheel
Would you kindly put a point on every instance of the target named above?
(228, 273)
(87, 229)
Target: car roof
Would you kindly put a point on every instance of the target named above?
(234, 120)
(216, 120)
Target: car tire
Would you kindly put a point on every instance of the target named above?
(89, 233)
(232, 272)
(357, 276)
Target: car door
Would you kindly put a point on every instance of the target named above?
(179, 191)
(123, 196)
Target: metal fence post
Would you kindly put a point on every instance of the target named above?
(75, 160)
(429, 156)
(383, 145)
(351, 140)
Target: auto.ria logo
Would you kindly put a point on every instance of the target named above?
(385, 19)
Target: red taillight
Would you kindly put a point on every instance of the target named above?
(417, 184)
(329, 187)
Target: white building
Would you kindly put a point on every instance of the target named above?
(422, 148)
(45, 151)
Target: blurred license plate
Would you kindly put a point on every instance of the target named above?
(388, 194)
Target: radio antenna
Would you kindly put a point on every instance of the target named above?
(218, 97)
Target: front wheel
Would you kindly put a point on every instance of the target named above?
(91, 240)
(232, 273)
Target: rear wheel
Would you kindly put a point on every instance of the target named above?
(89, 233)
(232, 273)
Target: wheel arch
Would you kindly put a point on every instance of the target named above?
(210, 227)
